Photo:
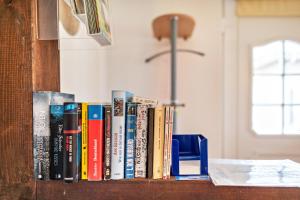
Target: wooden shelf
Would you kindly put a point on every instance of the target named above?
(157, 189)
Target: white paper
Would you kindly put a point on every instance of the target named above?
(264, 173)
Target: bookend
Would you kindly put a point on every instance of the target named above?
(189, 147)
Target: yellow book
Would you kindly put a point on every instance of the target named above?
(84, 150)
(158, 146)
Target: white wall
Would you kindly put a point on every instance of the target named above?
(92, 74)
(200, 79)
(83, 61)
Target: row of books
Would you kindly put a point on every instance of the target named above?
(129, 138)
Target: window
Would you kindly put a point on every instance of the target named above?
(276, 88)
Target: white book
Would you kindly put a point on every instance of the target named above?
(119, 99)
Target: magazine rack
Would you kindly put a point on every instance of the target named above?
(189, 147)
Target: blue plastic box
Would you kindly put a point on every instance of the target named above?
(189, 147)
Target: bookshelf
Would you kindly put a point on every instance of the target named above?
(27, 64)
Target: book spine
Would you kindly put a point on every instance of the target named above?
(95, 141)
(166, 140)
(107, 129)
(172, 110)
(56, 141)
(41, 134)
(119, 99)
(141, 141)
(130, 140)
(151, 113)
(84, 142)
(71, 133)
(158, 143)
(78, 143)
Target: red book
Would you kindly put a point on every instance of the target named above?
(95, 142)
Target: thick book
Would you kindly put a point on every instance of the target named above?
(166, 141)
(150, 127)
(107, 140)
(119, 99)
(141, 141)
(84, 141)
(158, 142)
(95, 142)
(130, 139)
(56, 141)
(71, 142)
(41, 129)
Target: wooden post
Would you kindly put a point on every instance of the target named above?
(26, 64)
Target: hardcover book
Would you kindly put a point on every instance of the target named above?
(95, 141)
(130, 139)
(84, 141)
(41, 129)
(56, 141)
(141, 141)
(158, 142)
(71, 137)
(107, 131)
(119, 99)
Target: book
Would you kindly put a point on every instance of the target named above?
(166, 140)
(141, 141)
(41, 129)
(107, 148)
(95, 141)
(158, 142)
(171, 119)
(56, 141)
(84, 141)
(150, 127)
(119, 99)
(143, 100)
(98, 20)
(71, 142)
(79, 142)
(130, 139)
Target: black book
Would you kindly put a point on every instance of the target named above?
(71, 142)
(56, 141)
(107, 140)
(41, 129)
(151, 113)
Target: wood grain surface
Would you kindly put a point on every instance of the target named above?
(25, 64)
(159, 189)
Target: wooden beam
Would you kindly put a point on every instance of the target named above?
(26, 64)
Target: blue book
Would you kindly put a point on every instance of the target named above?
(119, 99)
(130, 140)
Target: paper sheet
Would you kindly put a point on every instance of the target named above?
(265, 173)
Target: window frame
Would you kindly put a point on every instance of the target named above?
(250, 99)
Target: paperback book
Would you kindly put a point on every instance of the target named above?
(119, 99)
(130, 139)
